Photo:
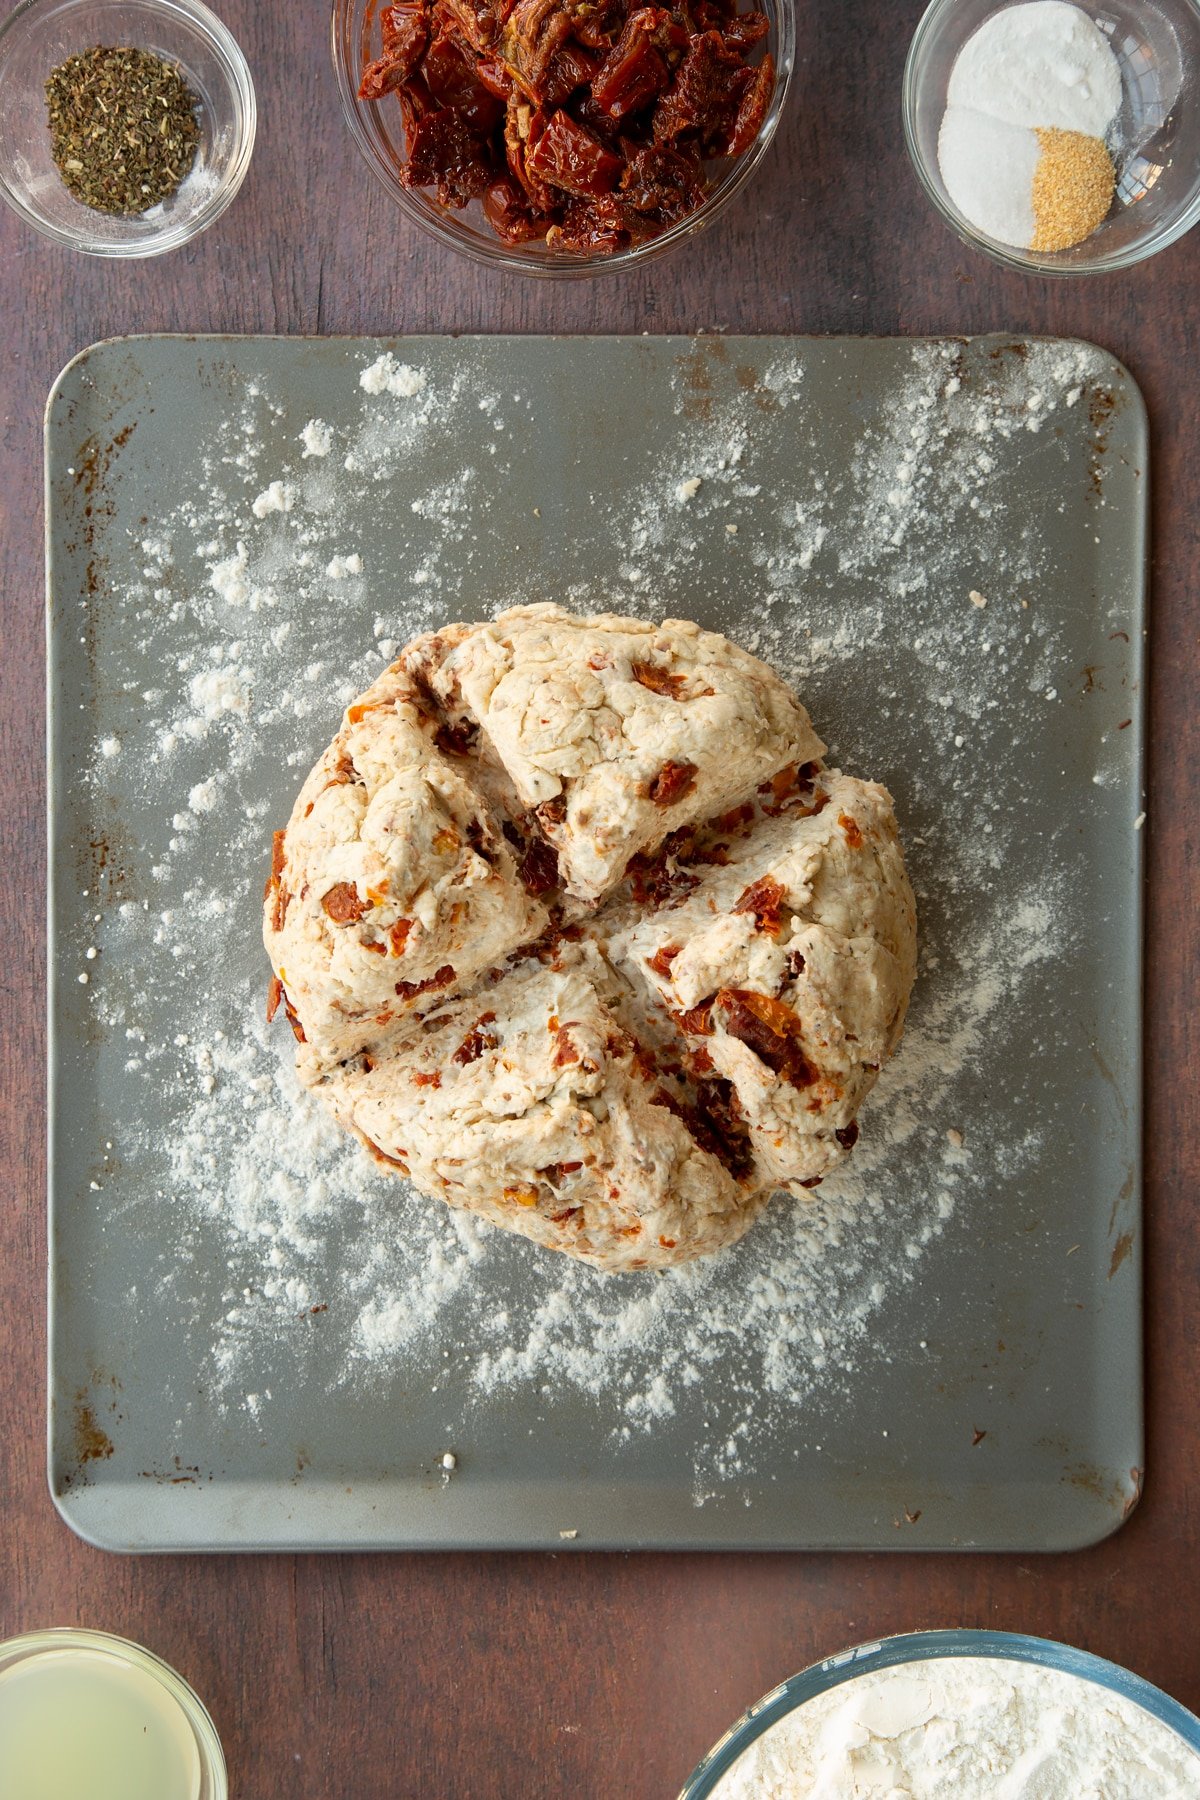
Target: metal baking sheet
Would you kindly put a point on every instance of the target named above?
(988, 1362)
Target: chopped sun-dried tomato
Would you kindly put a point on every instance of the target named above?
(752, 109)
(398, 936)
(852, 831)
(697, 1021)
(764, 898)
(534, 33)
(659, 681)
(274, 996)
(408, 990)
(768, 1028)
(450, 73)
(635, 69)
(745, 30)
(434, 1080)
(704, 99)
(572, 68)
(477, 1041)
(404, 39)
(551, 812)
(538, 867)
(456, 739)
(554, 1172)
(293, 1019)
(656, 880)
(444, 153)
(565, 1049)
(662, 959)
(382, 1156)
(847, 1135)
(567, 156)
(714, 1121)
(600, 225)
(664, 185)
(602, 111)
(342, 904)
(478, 20)
(394, 19)
(507, 210)
(673, 781)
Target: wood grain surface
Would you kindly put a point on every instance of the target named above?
(595, 1677)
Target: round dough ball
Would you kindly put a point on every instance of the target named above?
(577, 932)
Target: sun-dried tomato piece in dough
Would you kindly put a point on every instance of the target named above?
(659, 681)
(342, 904)
(768, 1028)
(539, 867)
(407, 990)
(477, 1041)
(764, 898)
(673, 781)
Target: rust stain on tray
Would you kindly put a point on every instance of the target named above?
(1121, 1250)
(92, 1442)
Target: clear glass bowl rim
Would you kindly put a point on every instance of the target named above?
(230, 53)
(923, 1646)
(564, 268)
(1026, 262)
(31, 1644)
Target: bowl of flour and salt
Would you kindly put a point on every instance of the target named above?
(1060, 139)
(958, 1715)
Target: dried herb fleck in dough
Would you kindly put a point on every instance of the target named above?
(124, 129)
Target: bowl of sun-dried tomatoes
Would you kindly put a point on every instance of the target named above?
(563, 137)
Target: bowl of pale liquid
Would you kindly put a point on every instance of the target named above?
(86, 1716)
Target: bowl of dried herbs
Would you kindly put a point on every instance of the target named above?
(126, 126)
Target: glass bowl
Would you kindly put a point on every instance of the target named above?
(1155, 142)
(376, 129)
(39, 35)
(129, 1674)
(924, 1646)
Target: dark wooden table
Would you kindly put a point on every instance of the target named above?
(597, 1677)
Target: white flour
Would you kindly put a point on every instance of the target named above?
(966, 1728)
(796, 1315)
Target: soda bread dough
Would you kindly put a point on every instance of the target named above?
(576, 930)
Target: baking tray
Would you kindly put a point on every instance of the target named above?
(943, 541)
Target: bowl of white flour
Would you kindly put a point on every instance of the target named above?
(973, 1715)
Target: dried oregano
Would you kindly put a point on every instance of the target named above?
(123, 125)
